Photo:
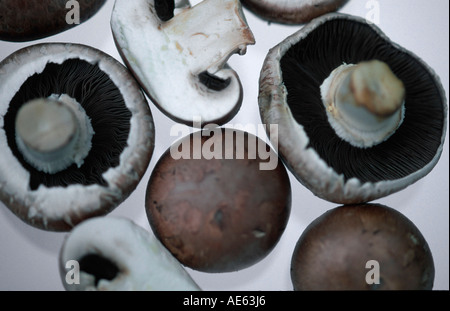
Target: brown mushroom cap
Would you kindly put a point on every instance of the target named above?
(218, 215)
(334, 250)
(25, 20)
(122, 144)
(292, 12)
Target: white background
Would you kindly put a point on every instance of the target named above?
(29, 256)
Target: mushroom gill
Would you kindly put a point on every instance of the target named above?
(99, 267)
(104, 105)
(310, 61)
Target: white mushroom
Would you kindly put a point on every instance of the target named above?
(115, 254)
(181, 62)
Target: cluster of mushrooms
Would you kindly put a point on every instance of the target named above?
(77, 136)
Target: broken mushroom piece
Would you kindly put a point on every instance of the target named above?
(292, 11)
(76, 134)
(362, 247)
(115, 254)
(22, 21)
(179, 54)
(218, 201)
(359, 117)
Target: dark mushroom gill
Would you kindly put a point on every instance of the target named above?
(213, 82)
(310, 61)
(100, 267)
(104, 105)
(164, 9)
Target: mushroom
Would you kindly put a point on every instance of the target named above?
(362, 247)
(179, 54)
(31, 20)
(359, 116)
(212, 203)
(76, 134)
(292, 11)
(115, 254)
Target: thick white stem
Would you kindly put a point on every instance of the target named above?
(209, 33)
(364, 102)
(53, 133)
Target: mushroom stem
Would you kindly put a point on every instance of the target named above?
(364, 102)
(53, 133)
(211, 25)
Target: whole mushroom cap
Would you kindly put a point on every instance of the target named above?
(122, 139)
(26, 20)
(292, 11)
(333, 169)
(362, 247)
(218, 214)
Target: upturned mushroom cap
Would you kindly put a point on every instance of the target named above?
(218, 212)
(121, 146)
(362, 247)
(26, 20)
(331, 167)
(292, 11)
(115, 254)
(181, 61)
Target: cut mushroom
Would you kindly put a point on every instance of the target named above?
(214, 208)
(359, 116)
(76, 134)
(31, 20)
(362, 247)
(179, 54)
(292, 11)
(115, 254)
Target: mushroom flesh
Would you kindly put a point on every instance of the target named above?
(178, 53)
